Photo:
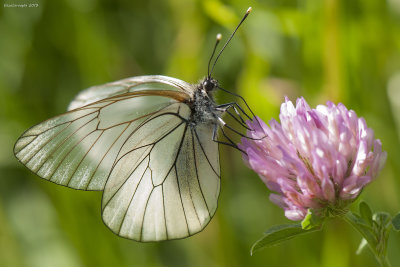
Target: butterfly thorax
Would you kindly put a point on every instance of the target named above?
(202, 105)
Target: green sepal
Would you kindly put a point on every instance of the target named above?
(311, 220)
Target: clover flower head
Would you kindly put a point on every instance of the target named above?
(318, 159)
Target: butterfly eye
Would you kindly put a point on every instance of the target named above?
(208, 85)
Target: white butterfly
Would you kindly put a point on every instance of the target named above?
(148, 143)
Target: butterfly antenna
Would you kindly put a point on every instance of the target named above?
(219, 37)
(230, 38)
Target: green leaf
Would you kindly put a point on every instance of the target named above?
(376, 235)
(311, 220)
(396, 222)
(363, 228)
(279, 233)
(382, 218)
(365, 212)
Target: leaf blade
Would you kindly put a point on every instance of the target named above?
(365, 212)
(396, 222)
(278, 234)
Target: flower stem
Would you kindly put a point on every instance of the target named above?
(374, 240)
(384, 262)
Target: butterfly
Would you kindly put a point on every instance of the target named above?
(148, 142)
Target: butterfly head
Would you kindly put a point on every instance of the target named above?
(209, 84)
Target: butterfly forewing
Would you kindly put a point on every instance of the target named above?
(138, 83)
(132, 138)
(78, 148)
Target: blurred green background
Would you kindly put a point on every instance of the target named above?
(338, 50)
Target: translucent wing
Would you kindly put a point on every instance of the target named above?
(78, 148)
(165, 183)
(138, 83)
(160, 175)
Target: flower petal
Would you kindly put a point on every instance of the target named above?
(314, 158)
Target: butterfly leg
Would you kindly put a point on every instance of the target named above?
(230, 143)
(240, 123)
(244, 101)
(239, 96)
(225, 108)
(235, 106)
(239, 133)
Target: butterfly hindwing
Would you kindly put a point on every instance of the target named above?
(171, 189)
